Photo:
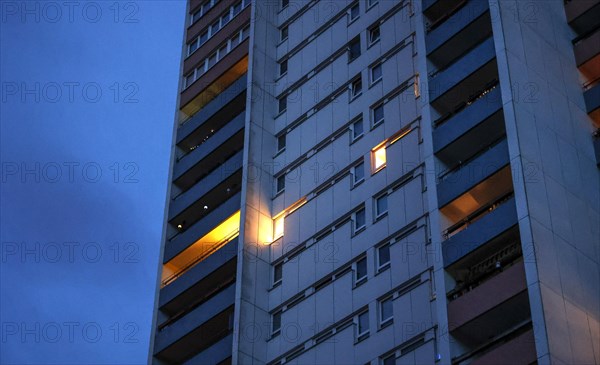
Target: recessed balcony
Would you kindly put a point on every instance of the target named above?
(219, 353)
(209, 155)
(465, 79)
(583, 15)
(436, 11)
(461, 32)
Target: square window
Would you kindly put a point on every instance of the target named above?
(277, 273)
(359, 220)
(276, 325)
(374, 35)
(281, 141)
(376, 74)
(360, 273)
(381, 206)
(362, 326)
(358, 173)
(283, 67)
(377, 114)
(383, 256)
(390, 360)
(354, 13)
(283, 104)
(357, 129)
(280, 184)
(378, 159)
(284, 33)
(386, 313)
(354, 49)
(356, 88)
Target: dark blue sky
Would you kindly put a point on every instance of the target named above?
(87, 109)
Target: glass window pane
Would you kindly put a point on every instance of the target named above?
(386, 310)
(360, 220)
(379, 159)
(376, 73)
(382, 205)
(357, 129)
(384, 255)
(354, 12)
(378, 114)
(363, 322)
(359, 172)
(361, 269)
(277, 272)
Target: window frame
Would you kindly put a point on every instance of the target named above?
(358, 334)
(371, 3)
(356, 229)
(370, 41)
(350, 18)
(281, 143)
(356, 182)
(280, 184)
(277, 281)
(386, 321)
(377, 199)
(358, 280)
(276, 331)
(375, 169)
(375, 123)
(284, 33)
(354, 93)
(382, 266)
(282, 102)
(353, 136)
(372, 79)
(354, 42)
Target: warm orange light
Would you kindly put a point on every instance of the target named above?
(202, 248)
(379, 158)
(278, 224)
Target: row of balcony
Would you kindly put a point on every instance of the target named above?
(488, 309)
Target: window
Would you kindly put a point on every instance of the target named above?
(386, 314)
(281, 140)
(376, 74)
(354, 13)
(362, 326)
(354, 49)
(355, 88)
(374, 35)
(358, 174)
(359, 220)
(278, 226)
(383, 257)
(283, 104)
(378, 158)
(245, 33)
(371, 3)
(192, 47)
(377, 114)
(276, 324)
(284, 33)
(357, 129)
(280, 184)
(189, 79)
(284, 3)
(277, 273)
(225, 18)
(212, 60)
(237, 8)
(381, 206)
(215, 27)
(389, 360)
(417, 86)
(360, 271)
(203, 37)
(283, 67)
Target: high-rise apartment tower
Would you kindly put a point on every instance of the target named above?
(384, 182)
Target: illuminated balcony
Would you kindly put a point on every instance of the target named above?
(472, 172)
(466, 28)
(183, 240)
(201, 249)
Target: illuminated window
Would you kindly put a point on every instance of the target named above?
(378, 158)
(360, 271)
(278, 227)
(362, 326)
(383, 257)
(417, 86)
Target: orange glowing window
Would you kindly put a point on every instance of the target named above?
(278, 224)
(378, 158)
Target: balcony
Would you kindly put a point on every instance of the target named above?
(464, 79)
(198, 331)
(224, 176)
(477, 124)
(472, 173)
(193, 285)
(183, 240)
(516, 350)
(583, 15)
(218, 112)
(479, 228)
(495, 307)
(439, 10)
(210, 154)
(458, 34)
(587, 52)
(185, 326)
(218, 353)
